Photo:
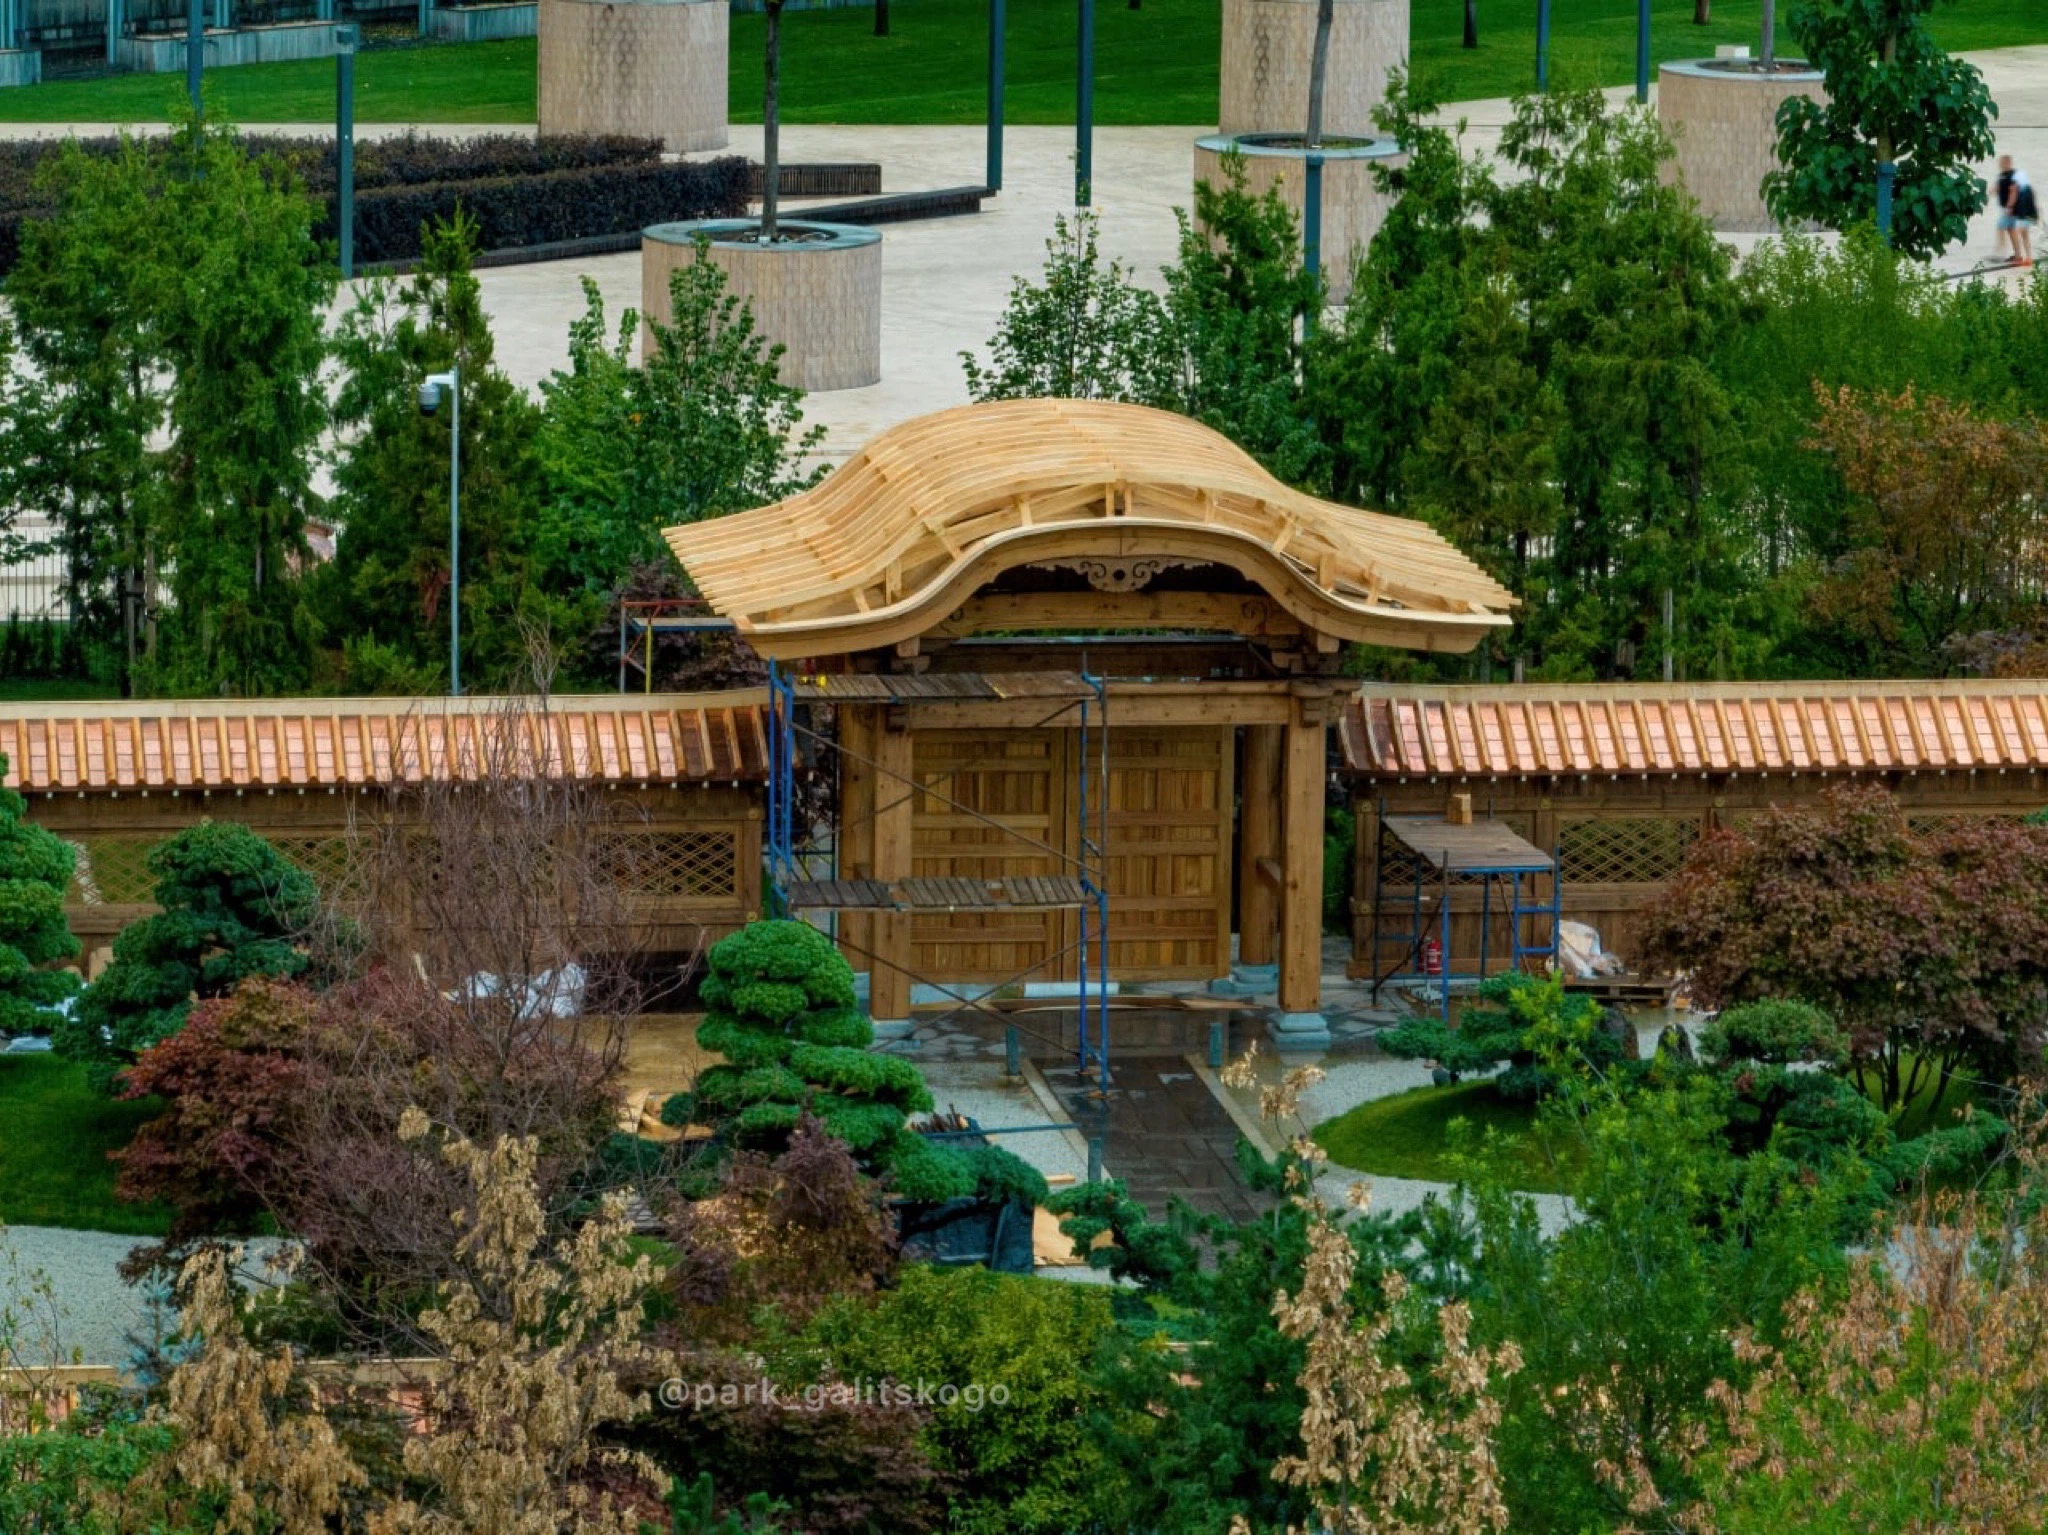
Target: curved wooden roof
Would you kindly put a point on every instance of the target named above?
(929, 510)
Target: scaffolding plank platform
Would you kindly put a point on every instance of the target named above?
(840, 895)
(949, 893)
(1043, 891)
(1482, 847)
(939, 687)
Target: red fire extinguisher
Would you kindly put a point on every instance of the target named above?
(1432, 957)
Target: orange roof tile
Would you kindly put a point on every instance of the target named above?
(1719, 728)
(369, 742)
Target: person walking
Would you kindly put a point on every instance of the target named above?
(2002, 246)
(2018, 211)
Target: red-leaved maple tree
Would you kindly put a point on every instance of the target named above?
(1929, 948)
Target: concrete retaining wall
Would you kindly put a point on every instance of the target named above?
(823, 302)
(1268, 46)
(652, 67)
(486, 23)
(1724, 125)
(239, 45)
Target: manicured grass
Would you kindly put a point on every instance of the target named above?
(55, 1133)
(1409, 1135)
(1157, 64)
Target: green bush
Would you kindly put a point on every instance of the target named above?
(233, 907)
(35, 868)
(1015, 1440)
(780, 1008)
(1502, 1026)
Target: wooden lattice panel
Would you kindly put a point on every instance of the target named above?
(334, 862)
(695, 865)
(1625, 850)
(112, 871)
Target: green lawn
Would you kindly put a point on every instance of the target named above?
(1156, 64)
(1409, 1135)
(55, 1134)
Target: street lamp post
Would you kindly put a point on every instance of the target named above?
(430, 402)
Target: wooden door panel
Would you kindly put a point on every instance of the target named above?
(1170, 812)
(968, 779)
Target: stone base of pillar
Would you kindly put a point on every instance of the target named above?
(1247, 981)
(1298, 1031)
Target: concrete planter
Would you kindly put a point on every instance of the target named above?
(278, 43)
(1722, 116)
(820, 295)
(20, 66)
(484, 23)
(1353, 207)
(649, 67)
(1267, 48)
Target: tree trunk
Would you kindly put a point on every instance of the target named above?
(1702, 13)
(771, 137)
(1318, 68)
(1884, 134)
(881, 18)
(1471, 23)
(1769, 54)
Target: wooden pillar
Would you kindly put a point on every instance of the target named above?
(895, 807)
(856, 824)
(1301, 888)
(1258, 844)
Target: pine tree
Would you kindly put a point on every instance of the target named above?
(233, 907)
(780, 1008)
(35, 869)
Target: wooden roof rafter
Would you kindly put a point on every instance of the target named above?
(895, 540)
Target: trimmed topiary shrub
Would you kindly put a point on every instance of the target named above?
(233, 907)
(780, 1008)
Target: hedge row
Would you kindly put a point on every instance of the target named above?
(521, 192)
(515, 211)
(416, 160)
(412, 160)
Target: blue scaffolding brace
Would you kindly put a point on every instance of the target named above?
(1442, 856)
(1086, 891)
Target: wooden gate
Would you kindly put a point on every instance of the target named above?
(1171, 797)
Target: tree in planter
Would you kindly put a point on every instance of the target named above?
(1893, 97)
(771, 123)
(233, 907)
(780, 1008)
(35, 869)
(702, 427)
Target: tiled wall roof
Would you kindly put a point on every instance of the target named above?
(366, 743)
(1754, 728)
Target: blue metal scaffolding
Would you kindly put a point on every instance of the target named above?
(1436, 856)
(1086, 891)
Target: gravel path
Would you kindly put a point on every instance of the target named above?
(67, 1291)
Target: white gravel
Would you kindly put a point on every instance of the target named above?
(980, 1090)
(66, 1290)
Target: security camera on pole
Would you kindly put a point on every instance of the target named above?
(430, 404)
